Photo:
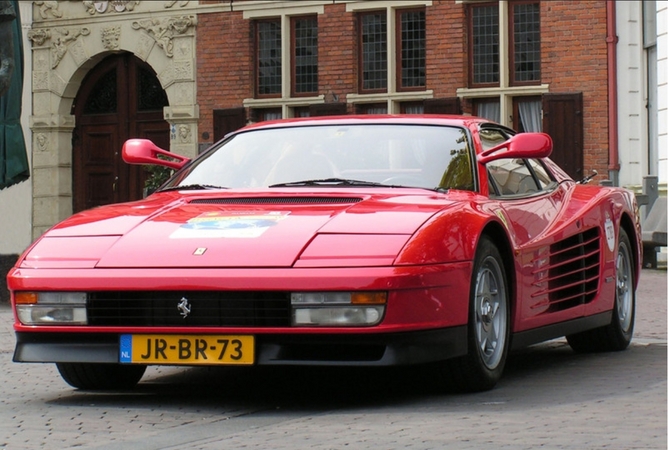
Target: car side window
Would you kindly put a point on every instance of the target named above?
(544, 177)
(512, 177)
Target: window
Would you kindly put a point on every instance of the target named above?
(261, 115)
(372, 108)
(505, 63)
(484, 44)
(544, 177)
(411, 45)
(527, 114)
(525, 43)
(518, 177)
(489, 108)
(408, 53)
(305, 55)
(373, 51)
(487, 61)
(412, 108)
(302, 59)
(269, 59)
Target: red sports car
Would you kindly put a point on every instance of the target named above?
(354, 240)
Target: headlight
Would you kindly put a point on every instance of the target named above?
(51, 308)
(337, 308)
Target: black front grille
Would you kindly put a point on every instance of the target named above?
(207, 309)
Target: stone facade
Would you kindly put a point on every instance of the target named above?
(68, 38)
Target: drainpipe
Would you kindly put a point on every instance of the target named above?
(613, 132)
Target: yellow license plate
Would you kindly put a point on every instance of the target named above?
(187, 349)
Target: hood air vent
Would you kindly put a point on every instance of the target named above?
(276, 200)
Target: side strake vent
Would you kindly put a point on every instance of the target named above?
(276, 200)
(574, 270)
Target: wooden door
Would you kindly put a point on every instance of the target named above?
(120, 98)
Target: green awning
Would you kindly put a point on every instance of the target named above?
(14, 166)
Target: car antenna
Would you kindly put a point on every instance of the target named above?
(588, 178)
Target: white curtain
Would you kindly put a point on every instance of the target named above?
(414, 109)
(490, 110)
(530, 115)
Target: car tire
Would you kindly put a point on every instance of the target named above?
(489, 324)
(92, 376)
(617, 335)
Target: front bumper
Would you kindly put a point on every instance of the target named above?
(382, 349)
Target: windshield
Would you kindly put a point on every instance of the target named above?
(432, 157)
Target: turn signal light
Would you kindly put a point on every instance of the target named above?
(368, 298)
(25, 298)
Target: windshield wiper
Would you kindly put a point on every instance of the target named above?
(329, 182)
(192, 187)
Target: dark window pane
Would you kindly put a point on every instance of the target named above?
(151, 96)
(413, 61)
(103, 99)
(526, 37)
(374, 51)
(374, 108)
(306, 54)
(485, 29)
(269, 57)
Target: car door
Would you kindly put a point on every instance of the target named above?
(531, 204)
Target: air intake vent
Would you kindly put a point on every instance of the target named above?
(277, 200)
(574, 269)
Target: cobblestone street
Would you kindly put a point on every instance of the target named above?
(549, 398)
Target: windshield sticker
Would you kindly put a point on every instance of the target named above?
(223, 224)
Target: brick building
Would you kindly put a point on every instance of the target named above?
(504, 60)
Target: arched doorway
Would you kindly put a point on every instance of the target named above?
(120, 98)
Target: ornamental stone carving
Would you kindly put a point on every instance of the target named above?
(110, 37)
(171, 3)
(62, 41)
(42, 142)
(39, 36)
(113, 6)
(164, 30)
(49, 8)
(185, 135)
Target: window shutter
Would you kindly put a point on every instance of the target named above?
(563, 121)
(328, 109)
(449, 105)
(226, 121)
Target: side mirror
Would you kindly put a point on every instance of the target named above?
(144, 151)
(523, 145)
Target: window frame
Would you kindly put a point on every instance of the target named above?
(471, 45)
(360, 52)
(399, 46)
(511, 44)
(506, 66)
(256, 58)
(293, 57)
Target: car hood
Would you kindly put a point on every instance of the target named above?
(282, 230)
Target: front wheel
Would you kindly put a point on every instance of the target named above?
(93, 376)
(489, 323)
(617, 334)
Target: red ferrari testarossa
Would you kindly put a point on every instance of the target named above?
(354, 240)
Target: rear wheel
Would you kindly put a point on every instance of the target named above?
(489, 323)
(93, 376)
(617, 334)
